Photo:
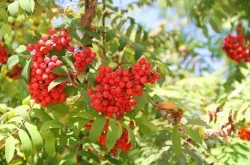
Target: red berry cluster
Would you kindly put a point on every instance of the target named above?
(15, 72)
(116, 88)
(235, 48)
(244, 133)
(41, 74)
(40, 78)
(83, 58)
(47, 43)
(121, 144)
(3, 55)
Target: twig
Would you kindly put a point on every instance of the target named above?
(103, 24)
(18, 128)
(87, 17)
(79, 148)
(86, 20)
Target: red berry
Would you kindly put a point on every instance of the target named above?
(45, 37)
(29, 47)
(3, 55)
(71, 48)
(52, 31)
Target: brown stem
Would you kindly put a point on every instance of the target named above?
(86, 20)
(79, 148)
(124, 63)
(87, 17)
(103, 24)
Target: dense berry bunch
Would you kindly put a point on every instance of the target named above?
(15, 72)
(3, 55)
(40, 78)
(122, 143)
(235, 48)
(42, 65)
(244, 133)
(48, 43)
(83, 58)
(116, 88)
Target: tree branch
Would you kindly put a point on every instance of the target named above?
(86, 20)
(87, 17)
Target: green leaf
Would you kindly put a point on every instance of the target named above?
(145, 126)
(91, 33)
(194, 134)
(120, 25)
(27, 5)
(113, 160)
(243, 64)
(128, 55)
(3, 15)
(26, 142)
(26, 70)
(6, 29)
(236, 92)
(9, 148)
(51, 124)
(215, 23)
(141, 101)
(129, 30)
(31, 38)
(112, 135)
(12, 61)
(131, 135)
(195, 156)
(123, 41)
(35, 135)
(59, 110)
(181, 159)
(97, 128)
(62, 70)
(113, 47)
(8, 126)
(45, 3)
(39, 113)
(228, 8)
(138, 34)
(67, 60)
(86, 99)
(70, 90)
(89, 155)
(75, 23)
(138, 51)
(114, 20)
(57, 82)
(89, 115)
(20, 49)
(13, 8)
(197, 121)
(49, 140)
(110, 35)
(74, 35)
(176, 140)
(220, 13)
